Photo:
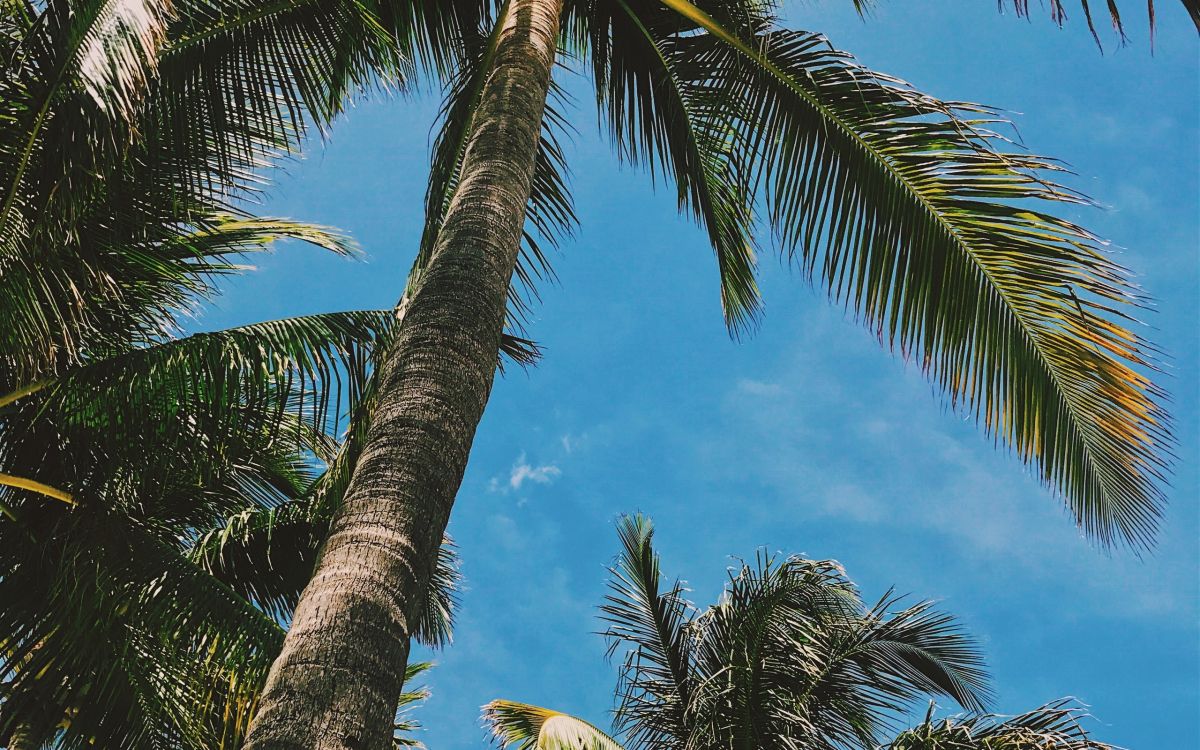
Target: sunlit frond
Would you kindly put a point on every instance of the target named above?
(524, 727)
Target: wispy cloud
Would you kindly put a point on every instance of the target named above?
(522, 471)
(571, 443)
(759, 388)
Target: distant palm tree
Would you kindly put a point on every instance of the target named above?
(907, 209)
(789, 658)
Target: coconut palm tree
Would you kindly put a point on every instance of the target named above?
(789, 657)
(120, 442)
(909, 210)
(128, 456)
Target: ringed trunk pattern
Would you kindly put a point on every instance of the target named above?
(337, 681)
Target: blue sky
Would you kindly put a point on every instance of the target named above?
(806, 437)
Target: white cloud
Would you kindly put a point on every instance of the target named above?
(522, 471)
(759, 388)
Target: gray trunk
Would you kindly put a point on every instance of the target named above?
(337, 681)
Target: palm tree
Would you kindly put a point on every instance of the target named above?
(120, 442)
(125, 452)
(789, 657)
(909, 210)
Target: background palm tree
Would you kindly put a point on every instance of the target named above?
(788, 657)
(909, 210)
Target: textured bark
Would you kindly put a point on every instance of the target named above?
(337, 681)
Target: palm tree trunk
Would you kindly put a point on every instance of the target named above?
(338, 678)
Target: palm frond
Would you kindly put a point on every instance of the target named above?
(1058, 13)
(657, 686)
(906, 209)
(406, 726)
(1055, 726)
(524, 727)
(133, 645)
(919, 651)
(658, 117)
(316, 355)
(267, 556)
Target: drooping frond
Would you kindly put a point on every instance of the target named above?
(659, 118)
(910, 213)
(919, 651)
(1055, 726)
(316, 356)
(1058, 12)
(521, 726)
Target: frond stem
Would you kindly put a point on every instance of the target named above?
(24, 391)
(35, 486)
(241, 21)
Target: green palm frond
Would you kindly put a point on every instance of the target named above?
(255, 402)
(316, 356)
(524, 727)
(240, 81)
(918, 651)
(903, 207)
(1059, 14)
(134, 645)
(103, 50)
(659, 118)
(657, 686)
(406, 726)
(1055, 726)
